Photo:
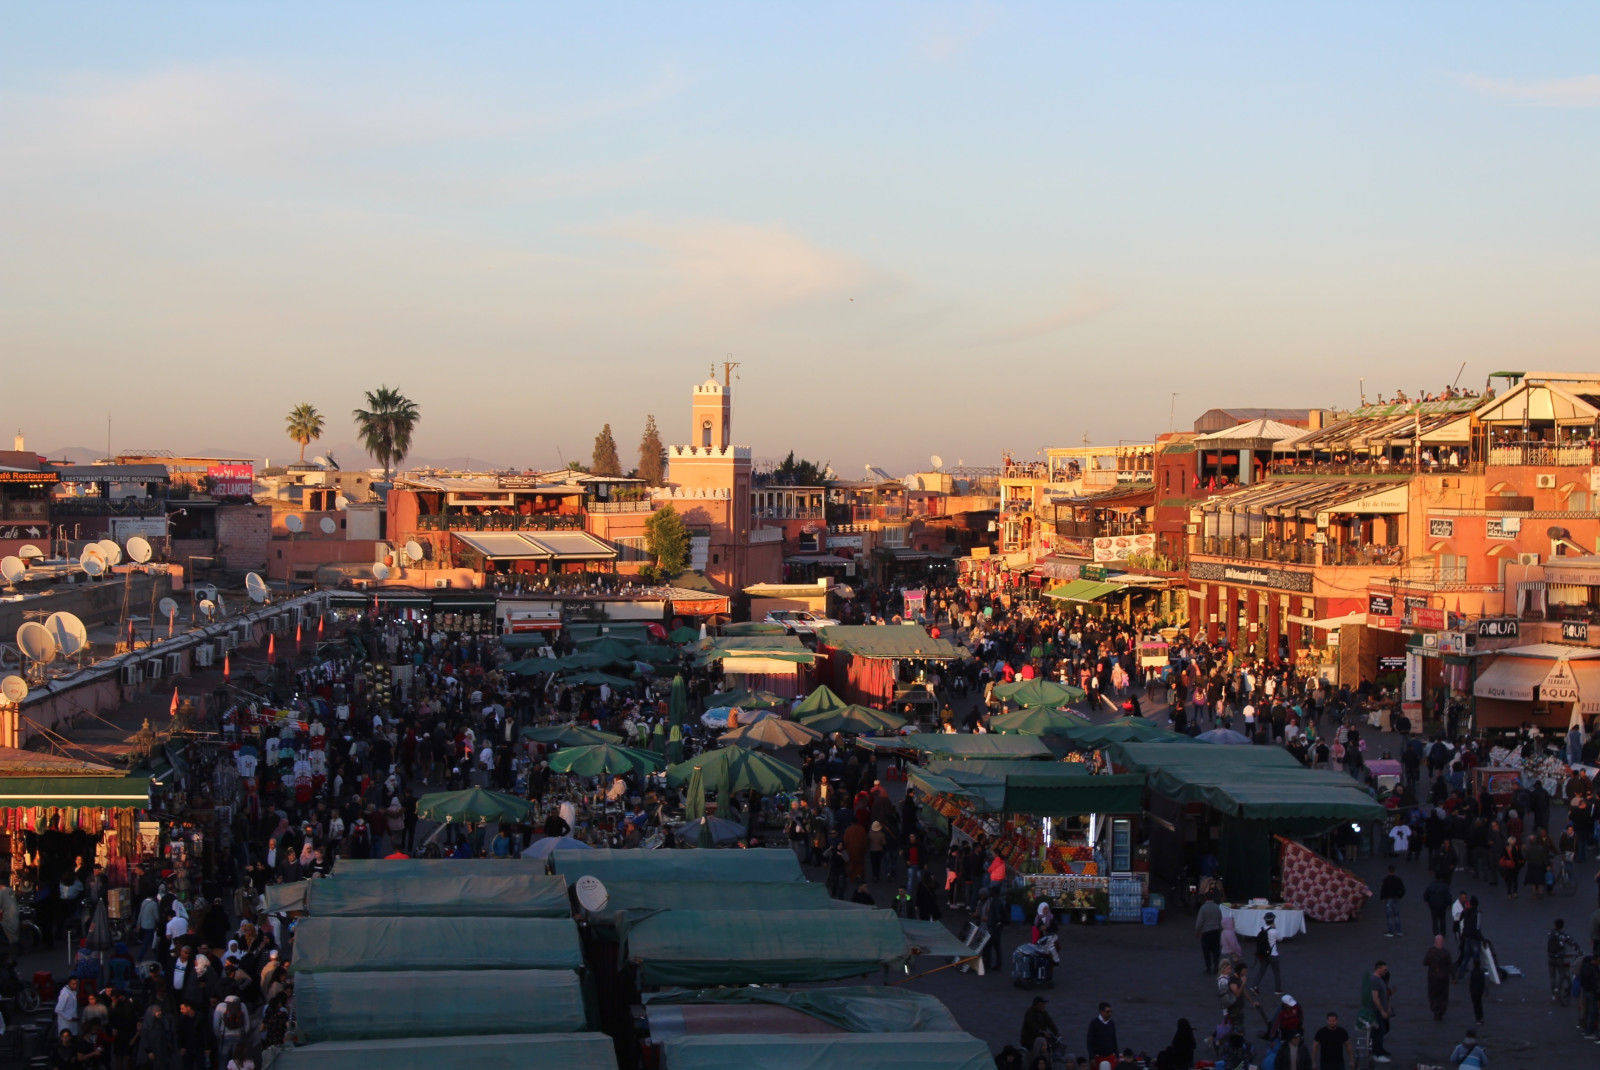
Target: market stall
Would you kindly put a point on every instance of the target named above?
(889, 1051)
(346, 944)
(762, 866)
(698, 948)
(377, 1006)
(53, 811)
(517, 1051)
(866, 664)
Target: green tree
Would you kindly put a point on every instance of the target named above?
(305, 425)
(652, 455)
(577, 466)
(605, 461)
(667, 537)
(385, 426)
(800, 473)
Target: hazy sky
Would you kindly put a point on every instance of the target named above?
(921, 228)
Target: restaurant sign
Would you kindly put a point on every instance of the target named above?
(1122, 547)
(1251, 576)
(1560, 685)
(232, 480)
(1502, 527)
(1426, 617)
(1499, 629)
(1575, 631)
(1380, 604)
(1441, 527)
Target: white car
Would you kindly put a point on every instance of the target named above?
(799, 621)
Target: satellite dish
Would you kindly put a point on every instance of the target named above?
(380, 571)
(256, 588)
(30, 552)
(110, 551)
(320, 462)
(294, 523)
(328, 525)
(208, 607)
(15, 689)
(139, 550)
(92, 563)
(36, 642)
(938, 462)
(12, 569)
(168, 608)
(341, 502)
(68, 632)
(413, 550)
(592, 894)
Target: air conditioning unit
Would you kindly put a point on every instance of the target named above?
(174, 664)
(152, 669)
(225, 643)
(205, 590)
(1528, 559)
(129, 674)
(243, 635)
(1546, 481)
(202, 655)
(441, 584)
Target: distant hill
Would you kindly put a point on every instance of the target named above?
(347, 454)
(75, 455)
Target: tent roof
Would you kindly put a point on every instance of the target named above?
(762, 865)
(437, 1003)
(822, 700)
(1042, 789)
(856, 1009)
(1122, 730)
(888, 641)
(1084, 590)
(1261, 430)
(111, 792)
(323, 945)
(734, 947)
(530, 894)
(570, 1051)
(639, 897)
(961, 745)
(1254, 783)
(891, 1051)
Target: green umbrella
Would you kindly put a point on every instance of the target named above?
(658, 738)
(747, 700)
(585, 659)
(1038, 721)
(625, 650)
(675, 745)
(694, 808)
(854, 720)
(771, 732)
(568, 735)
(822, 700)
(678, 704)
(684, 635)
(724, 806)
(595, 679)
(530, 666)
(740, 770)
(1038, 693)
(474, 806)
(602, 758)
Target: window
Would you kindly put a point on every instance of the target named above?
(705, 434)
(632, 548)
(1452, 568)
(716, 559)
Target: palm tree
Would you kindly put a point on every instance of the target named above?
(385, 426)
(305, 426)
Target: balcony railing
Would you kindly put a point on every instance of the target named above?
(499, 522)
(1289, 553)
(25, 509)
(643, 505)
(777, 513)
(61, 507)
(1094, 529)
(1362, 555)
(1549, 454)
(1371, 468)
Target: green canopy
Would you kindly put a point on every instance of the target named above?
(568, 735)
(747, 700)
(678, 703)
(857, 1009)
(485, 894)
(822, 700)
(390, 868)
(1122, 730)
(1038, 789)
(888, 641)
(1252, 784)
(737, 769)
(932, 938)
(684, 635)
(1084, 591)
(530, 666)
(882, 1051)
(473, 806)
(601, 759)
(626, 650)
(596, 679)
(106, 792)
(762, 866)
(854, 720)
(962, 745)
(638, 897)
(324, 945)
(1038, 721)
(751, 627)
(736, 947)
(1038, 693)
(376, 1006)
(570, 1051)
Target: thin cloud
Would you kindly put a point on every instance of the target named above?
(1080, 309)
(943, 39)
(1580, 92)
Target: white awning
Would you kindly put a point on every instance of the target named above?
(1511, 678)
(1328, 624)
(503, 545)
(538, 546)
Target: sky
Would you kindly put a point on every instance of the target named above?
(920, 228)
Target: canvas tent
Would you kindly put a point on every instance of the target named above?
(1040, 789)
(324, 945)
(515, 1051)
(464, 893)
(378, 1006)
(608, 864)
(953, 745)
(640, 897)
(737, 947)
(858, 1009)
(883, 1051)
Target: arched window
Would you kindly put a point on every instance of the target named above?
(705, 434)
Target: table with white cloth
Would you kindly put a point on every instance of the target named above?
(1247, 920)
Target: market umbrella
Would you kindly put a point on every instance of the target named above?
(603, 758)
(542, 847)
(530, 666)
(675, 745)
(568, 735)
(1038, 693)
(740, 769)
(1130, 730)
(684, 635)
(747, 700)
(586, 659)
(1038, 721)
(1225, 736)
(771, 732)
(98, 938)
(678, 704)
(595, 679)
(694, 807)
(822, 700)
(854, 720)
(712, 831)
(473, 806)
(624, 650)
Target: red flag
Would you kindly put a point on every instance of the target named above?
(319, 627)
(225, 666)
(296, 633)
(174, 711)
(272, 649)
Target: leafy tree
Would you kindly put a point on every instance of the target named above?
(385, 426)
(305, 425)
(605, 461)
(652, 455)
(800, 473)
(667, 537)
(577, 466)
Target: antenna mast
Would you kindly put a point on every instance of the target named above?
(727, 373)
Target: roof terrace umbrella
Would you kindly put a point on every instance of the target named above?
(854, 720)
(568, 735)
(748, 700)
(544, 845)
(771, 732)
(474, 806)
(1038, 693)
(1038, 721)
(603, 758)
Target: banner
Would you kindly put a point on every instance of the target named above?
(232, 480)
(1121, 547)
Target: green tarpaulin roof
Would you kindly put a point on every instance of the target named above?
(932, 938)
(1253, 783)
(858, 1009)
(1084, 591)
(570, 1051)
(822, 700)
(736, 947)
(111, 792)
(1039, 789)
(1122, 730)
(844, 1051)
(730, 648)
(323, 945)
(530, 894)
(761, 865)
(639, 897)
(390, 868)
(961, 745)
(376, 1006)
(888, 641)
(754, 627)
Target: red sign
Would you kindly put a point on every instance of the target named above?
(1390, 623)
(232, 480)
(1427, 617)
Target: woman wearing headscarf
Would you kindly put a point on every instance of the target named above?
(1230, 940)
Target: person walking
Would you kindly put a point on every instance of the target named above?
(1038, 1029)
(1267, 953)
(994, 912)
(1437, 896)
(1390, 892)
(1511, 865)
(1436, 960)
(1101, 1042)
(1208, 923)
(1331, 1048)
(1377, 1007)
(1469, 1054)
